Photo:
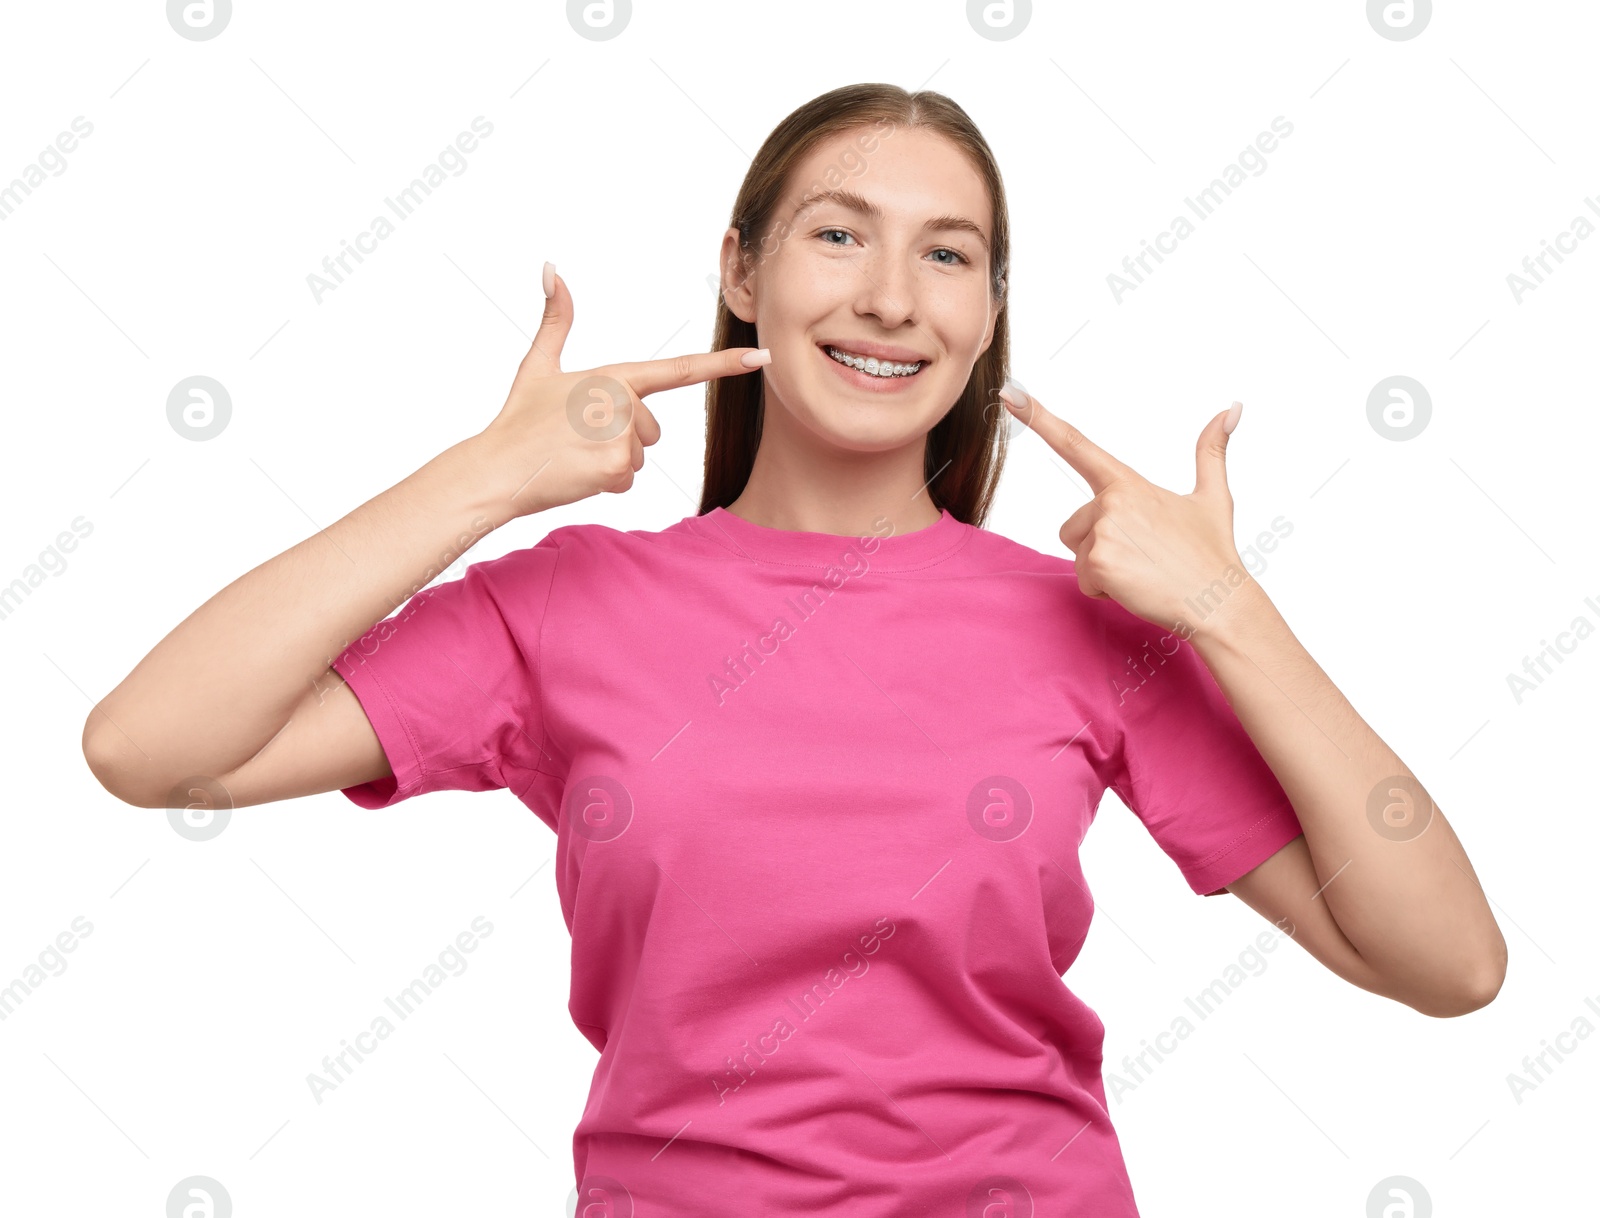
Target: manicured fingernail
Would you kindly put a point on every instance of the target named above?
(756, 358)
(549, 280)
(1232, 421)
(1011, 395)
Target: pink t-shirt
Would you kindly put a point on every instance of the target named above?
(817, 802)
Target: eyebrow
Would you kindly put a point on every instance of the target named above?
(850, 199)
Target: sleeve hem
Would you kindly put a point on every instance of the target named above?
(394, 735)
(1268, 835)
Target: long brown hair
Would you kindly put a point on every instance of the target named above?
(966, 448)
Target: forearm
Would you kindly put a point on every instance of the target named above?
(1392, 872)
(222, 683)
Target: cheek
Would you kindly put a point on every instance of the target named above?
(958, 315)
(802, 385)
(976, 316)
(802, 283)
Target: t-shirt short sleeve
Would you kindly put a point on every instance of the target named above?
(450, 681)
(1184, 763)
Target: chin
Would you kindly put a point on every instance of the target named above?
(865, 428)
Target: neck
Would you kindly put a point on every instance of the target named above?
(800, 482)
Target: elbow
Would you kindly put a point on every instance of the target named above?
(108, 762)
(1477, 991)
(1490, 979)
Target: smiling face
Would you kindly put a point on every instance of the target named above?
(892, 264)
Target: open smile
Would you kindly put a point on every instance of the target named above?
(869, 372)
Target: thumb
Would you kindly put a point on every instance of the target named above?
(1210, 453)
(555, 325)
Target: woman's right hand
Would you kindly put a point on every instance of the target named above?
(563, 436)
(241, 698)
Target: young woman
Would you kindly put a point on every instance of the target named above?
(820, 756)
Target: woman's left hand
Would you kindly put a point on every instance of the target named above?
(1168, 558)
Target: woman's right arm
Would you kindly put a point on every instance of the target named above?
(243, 692)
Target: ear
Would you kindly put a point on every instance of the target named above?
(736, 284)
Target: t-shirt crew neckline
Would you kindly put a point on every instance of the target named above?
(897, 552)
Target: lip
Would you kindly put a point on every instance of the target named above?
(877, 351)
(866, 382)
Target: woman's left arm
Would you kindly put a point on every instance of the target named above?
(1401, 910)
(1382, 857)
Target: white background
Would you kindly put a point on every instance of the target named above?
(1419, 573)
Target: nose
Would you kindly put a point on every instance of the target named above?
(888, 288)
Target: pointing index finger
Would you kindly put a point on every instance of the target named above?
(1098, 467)
(674, 372)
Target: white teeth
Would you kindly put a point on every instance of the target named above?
(874, 367)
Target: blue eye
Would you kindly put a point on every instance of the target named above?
(943, 249)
